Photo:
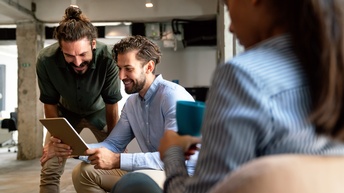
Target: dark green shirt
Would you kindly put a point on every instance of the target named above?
(80, 94)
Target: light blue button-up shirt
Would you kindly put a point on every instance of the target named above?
(146, 119)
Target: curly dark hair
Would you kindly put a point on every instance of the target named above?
(75, 26)
(147, 50)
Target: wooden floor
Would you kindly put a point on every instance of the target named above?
(23, 176)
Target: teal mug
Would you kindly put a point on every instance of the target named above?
(189, 115)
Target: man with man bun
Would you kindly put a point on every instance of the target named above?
(78, 80)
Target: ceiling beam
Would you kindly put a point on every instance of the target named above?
(11, 12)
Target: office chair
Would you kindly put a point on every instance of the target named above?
(11, 125)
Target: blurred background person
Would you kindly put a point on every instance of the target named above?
(284, 94)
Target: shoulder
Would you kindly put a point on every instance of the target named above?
(103, 51)
(168, 86)
(49, 56)
(131, 101)
(172, 91)
(49, 51)
(272, 65)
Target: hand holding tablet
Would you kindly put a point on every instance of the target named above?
(62, 129)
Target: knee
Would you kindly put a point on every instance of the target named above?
(82, 172)
(136, 182)
(52, 167)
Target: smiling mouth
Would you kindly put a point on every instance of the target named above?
(127, 82)
(79, 69)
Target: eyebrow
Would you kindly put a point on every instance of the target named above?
(83, 53)
(125, 66)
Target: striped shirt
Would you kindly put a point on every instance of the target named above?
(258, 105)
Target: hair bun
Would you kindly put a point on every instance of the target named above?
(73, 12)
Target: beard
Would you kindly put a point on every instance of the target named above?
(78, 69)
(138, 85)
(83, 64)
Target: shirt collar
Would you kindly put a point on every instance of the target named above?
(153, 88)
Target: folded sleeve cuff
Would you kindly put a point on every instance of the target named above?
(127, 161)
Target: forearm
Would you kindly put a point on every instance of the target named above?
(111, 116)
(50, 111)
(175, 169)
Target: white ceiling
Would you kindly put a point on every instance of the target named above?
(13, 13)
(49, 11)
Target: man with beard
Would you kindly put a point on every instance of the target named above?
(147, 114)
(78, 80)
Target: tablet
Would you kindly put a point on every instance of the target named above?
(60, 128)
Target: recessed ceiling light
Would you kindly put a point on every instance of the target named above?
(149, 4)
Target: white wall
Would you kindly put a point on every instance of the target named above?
(8, 55)
(192, 66)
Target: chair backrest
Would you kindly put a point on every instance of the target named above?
(286, 174)
(11, 123)
(13, 116)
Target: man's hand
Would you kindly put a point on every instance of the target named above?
(55, 148)
(186, 142)
(102, 158)
(48, 153)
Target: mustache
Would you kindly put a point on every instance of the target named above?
(81, 65)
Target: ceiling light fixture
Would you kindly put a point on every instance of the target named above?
(149, 4)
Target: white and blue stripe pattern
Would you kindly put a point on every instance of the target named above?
(258, 105)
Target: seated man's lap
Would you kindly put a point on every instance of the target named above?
(88, 179)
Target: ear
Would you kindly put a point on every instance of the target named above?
(150, 66)
(94, 44)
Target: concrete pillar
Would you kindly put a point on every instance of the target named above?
(29, 37)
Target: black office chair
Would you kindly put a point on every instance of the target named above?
(11, 125)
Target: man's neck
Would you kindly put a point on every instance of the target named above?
(149, 81)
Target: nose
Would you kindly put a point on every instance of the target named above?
(77, 61)
(121, 74)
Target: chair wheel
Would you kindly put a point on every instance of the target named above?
(9, 150)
